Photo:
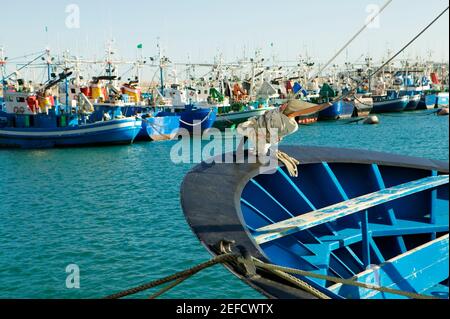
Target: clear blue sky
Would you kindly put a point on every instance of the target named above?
(200, 28)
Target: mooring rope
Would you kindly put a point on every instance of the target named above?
(285, 273)
(197, 124)
(175, 277)
(348, 282)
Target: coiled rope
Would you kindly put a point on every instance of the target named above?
(288, 161)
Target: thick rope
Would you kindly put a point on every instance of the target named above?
(290, 163)
(279, 269)
(175, 277)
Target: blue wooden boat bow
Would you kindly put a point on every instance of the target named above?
(350, 214)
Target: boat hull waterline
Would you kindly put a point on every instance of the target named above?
(122, 131)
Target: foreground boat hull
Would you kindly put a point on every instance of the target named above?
(402, 245)
(102, 133)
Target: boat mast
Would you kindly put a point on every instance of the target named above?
(2, 67)
(161, 71)
(49, 63)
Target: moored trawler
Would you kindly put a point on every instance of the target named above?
(389, 102)
(427, 100)
(442, 99)
(36, 120)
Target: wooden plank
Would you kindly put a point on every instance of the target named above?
(415, 271)
(346, 208)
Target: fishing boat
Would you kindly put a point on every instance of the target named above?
(232, 119)
(414, 99)
(354, 216)
(159, 128)
(308, 118)
(427, 100)
(192, 118)
(36, 120)
(390, 102)
(363, 105)
(341, 109)
(442, 99)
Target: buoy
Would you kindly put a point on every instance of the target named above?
(443, 111)
(372, 120)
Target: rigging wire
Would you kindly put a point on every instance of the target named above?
(409, 43)
(354, 37)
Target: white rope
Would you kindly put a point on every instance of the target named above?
(199, 123)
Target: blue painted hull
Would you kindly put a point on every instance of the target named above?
(122, 131)
(442, 99)
(413, 103)
(427, 102)
(339, 110)
(194, 119)
(190, 119)
(390, 105)
(161, 128)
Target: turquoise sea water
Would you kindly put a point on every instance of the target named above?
(115, 212)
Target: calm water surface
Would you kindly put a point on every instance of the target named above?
(115, 211)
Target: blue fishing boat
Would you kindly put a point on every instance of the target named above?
(427, 101)
(442, 99)
(192, 118)
(390, 102)
(340, 109)
(414, 99)
(36, 120)
(155, 127)
(45, 133)
(354, 224)
(159, 128)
